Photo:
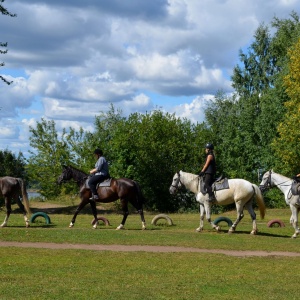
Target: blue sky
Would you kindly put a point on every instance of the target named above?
(71, 59)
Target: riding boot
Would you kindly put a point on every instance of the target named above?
(94, 197)
(212, 198)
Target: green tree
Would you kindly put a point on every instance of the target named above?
(3, 45)
(286, 145)
(12, 165)
(245, 124)
(51, 152)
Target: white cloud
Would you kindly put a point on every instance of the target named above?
(194, 111)
(80, 56)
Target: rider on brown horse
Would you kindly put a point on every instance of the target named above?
(99, 173)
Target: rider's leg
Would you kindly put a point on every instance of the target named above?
(208, 182)
(92, 184)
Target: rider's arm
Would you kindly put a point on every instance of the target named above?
(208, 160)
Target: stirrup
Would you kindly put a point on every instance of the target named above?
(94, 198)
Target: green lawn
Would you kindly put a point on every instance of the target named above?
(83, 274)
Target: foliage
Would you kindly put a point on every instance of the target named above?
(45, 165)
(244, 124)
(286, 145)
(4, 11)
(12, 165)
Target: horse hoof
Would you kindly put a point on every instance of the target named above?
(294, 236)
(199, 229)
(27, 225)
(253, 232)
(120, 227)
(71, 225)
(218, 228)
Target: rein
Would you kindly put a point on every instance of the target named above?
(267, 184)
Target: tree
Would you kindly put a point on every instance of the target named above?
(245, 124)
(286, 145)
(51, 152)
(4, 11)
(12, 165)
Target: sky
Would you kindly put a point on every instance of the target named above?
(70, 60)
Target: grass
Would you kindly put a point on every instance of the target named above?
(78, 274)
(70, 274)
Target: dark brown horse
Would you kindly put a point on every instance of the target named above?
(124, 189)
(14, 189)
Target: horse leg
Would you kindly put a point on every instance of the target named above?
(202, 211)
(82, 204)
(294, 220)
(125, 214)
(20, 204)
(141, 212)
(240, 216)
(8, 211)
(207, 206)
(94, 210)
(249, 206)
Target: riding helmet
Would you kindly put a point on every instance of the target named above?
(209, 146)
(98, 152)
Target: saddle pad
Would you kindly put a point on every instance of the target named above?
(295, 188)
(106, 182)
(220, 185)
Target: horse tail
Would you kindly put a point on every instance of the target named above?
(140, 197)
(260, 201)
(24, 195)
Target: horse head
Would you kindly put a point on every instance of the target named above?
(65, 175)
(266, 182)
(176, 183)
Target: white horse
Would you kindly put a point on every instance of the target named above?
(271, 179)
(241, 192)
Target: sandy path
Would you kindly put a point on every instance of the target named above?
(157, 249)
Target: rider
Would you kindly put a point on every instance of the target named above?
(209, 170)
(99, 173)
(297, 177)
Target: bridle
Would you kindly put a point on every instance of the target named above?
(268, 183)
(177, 181)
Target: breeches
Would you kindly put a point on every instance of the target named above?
(94, 180)
(208, 181)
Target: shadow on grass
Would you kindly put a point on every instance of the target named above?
(267, 234)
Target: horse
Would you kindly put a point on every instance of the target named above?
(12, 188)
(271, 179)
(124, 189)
(241, 192)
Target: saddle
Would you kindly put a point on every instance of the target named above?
(105, 183)
(221, 183)
(295, 188)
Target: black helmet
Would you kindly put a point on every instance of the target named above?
(209, 146)
(98, 151)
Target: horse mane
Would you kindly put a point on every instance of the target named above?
(77, 170)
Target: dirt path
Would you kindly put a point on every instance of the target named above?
(157, 249)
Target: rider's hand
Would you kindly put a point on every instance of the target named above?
(201, 173)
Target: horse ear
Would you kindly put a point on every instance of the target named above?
(272, 171)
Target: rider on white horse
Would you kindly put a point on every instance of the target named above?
(209, 171)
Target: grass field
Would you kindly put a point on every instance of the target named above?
(80, 274)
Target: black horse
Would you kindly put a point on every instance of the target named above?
(124, 189)
(14, 189)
